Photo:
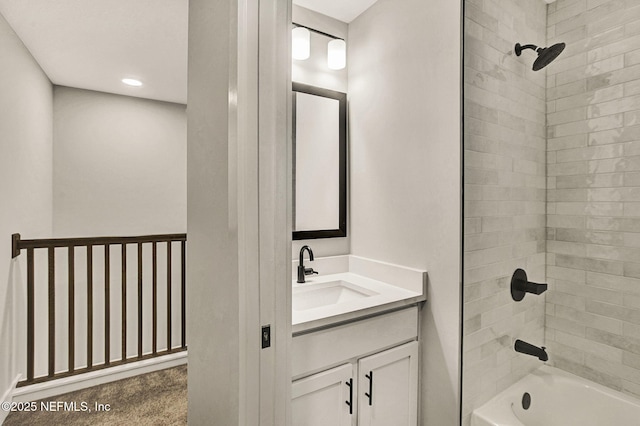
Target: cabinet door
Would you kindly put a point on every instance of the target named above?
(388, 387)
(323, 399)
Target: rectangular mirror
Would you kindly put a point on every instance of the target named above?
(319, 163)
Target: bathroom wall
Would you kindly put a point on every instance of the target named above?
(404, 102)
(314, 71)
(504, 183)
(119, 165)
(25, 170)
(593, 116)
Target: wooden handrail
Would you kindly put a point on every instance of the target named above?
(19, 244)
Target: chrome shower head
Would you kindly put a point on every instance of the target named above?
(545, 54)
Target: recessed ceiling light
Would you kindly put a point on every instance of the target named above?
(132, 82)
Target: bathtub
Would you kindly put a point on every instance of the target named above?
(558, 398)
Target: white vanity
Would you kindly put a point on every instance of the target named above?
(355, 343)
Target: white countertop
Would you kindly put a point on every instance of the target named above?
(389, 287)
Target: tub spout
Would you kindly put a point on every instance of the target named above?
(529, 349)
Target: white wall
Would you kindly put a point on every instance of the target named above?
(404, 99)
(119, 165)
(25, 163)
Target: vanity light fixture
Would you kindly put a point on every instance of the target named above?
(301, 46)
(300, 43)
(132, 82)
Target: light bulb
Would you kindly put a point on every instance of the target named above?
(337, 54)
(300, 43)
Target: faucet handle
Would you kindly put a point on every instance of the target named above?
(520, 285)
(309, 271)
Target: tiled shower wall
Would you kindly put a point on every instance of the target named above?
(504, 178)
(593, 117)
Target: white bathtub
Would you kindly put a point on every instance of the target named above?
(558, 399)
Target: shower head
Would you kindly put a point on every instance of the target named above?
(545, 54)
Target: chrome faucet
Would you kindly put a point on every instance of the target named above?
(302, 271)
(529, 349)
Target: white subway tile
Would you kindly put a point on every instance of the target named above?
(599, 322)
(613, 311)
(589, 347)
(619, 283)
(615, 106)
(565, 326)
(613, 49)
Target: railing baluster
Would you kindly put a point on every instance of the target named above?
(154, 290)
(52, 312)
(183, 290)
(124, 302)
(30, 315)
(107, 304)
(169, 295)
(71, 308)
(89, 306)
(139, 300)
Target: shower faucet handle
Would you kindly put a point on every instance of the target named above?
(520, 285)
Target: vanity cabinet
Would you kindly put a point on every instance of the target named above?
(364, 373)
(385, 393)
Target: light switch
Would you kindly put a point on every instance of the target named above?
(266, 336)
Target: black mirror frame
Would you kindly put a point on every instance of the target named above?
(342, 161)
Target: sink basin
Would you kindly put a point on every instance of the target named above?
(326, 294)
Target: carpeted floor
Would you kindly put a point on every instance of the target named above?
(158, 398)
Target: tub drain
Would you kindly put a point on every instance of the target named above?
(526, 400)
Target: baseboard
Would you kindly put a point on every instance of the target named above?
(99, 377)
(6, 397)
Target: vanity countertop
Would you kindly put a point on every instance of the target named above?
(352, 288)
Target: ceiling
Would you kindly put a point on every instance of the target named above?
(342, 10)
(94, 44)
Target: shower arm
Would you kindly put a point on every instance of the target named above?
(519, 48)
